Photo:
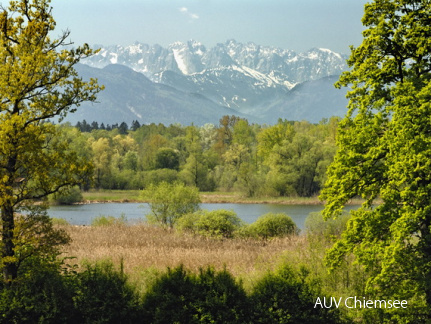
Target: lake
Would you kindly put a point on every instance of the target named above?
(134, 212)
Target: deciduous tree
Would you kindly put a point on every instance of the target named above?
(168, 202)
(385, 152)
(38, 83)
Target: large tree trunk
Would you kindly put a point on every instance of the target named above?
(10, 269)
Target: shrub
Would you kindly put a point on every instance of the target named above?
(217, 223)
(187, 222)
(104, 296)
(209, 297)
(272, 225)
(44, 296)
(316, 225)
(287, 296)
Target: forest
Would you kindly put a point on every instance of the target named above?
(286, 159)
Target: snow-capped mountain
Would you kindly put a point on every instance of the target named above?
(232, 74)
(247, 78)
(192, 57)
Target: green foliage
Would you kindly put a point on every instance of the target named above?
(155, 177)
(315, 224)
(38, 83)
(35, 238)
(104, 296)
(67, 197)
(167, 158)
(385, 152)
(168, 202)
(287, 159)
(109, 220)
(209, 297)
(98, 294)
(45, 296)
(216, 223)
(287, 296)
(195, 172)
(296, 164)
(272, 225)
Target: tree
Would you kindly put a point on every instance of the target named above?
(38, 83)
(123, 128)
(168, 202)
(167, 158)
(384, 151)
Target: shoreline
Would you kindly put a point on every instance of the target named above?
(206, 198)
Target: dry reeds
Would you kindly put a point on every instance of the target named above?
(141, 247)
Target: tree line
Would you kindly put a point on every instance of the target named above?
(286, 159)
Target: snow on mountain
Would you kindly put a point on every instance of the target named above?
(247, 78)
(286, 67)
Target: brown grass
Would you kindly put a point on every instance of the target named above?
(143, 247)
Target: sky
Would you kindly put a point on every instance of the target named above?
(297, 25)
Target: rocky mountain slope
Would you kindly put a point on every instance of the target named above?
(186, 80)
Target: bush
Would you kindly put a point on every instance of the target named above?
(288, 297)
(187, 222)
(104, 296)
(99, 294)
(217, 223)
(272, 225)
(316, 225)
(182, 297)
(42, 296)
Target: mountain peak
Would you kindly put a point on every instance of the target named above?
(193, 57)
(186, 82)
(234, 75)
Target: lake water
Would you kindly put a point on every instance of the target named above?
(134, 212)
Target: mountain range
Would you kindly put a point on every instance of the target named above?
(188, 83)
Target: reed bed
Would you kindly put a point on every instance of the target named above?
(142, 247)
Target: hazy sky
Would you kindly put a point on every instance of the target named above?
(290, 24)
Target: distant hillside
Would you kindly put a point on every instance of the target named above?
(129, 96)
(187, 83)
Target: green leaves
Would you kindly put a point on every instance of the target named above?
(38, 83)
(168, 202)
(384, 151)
